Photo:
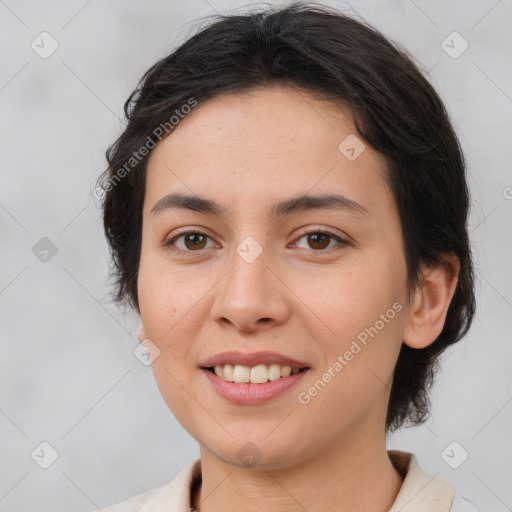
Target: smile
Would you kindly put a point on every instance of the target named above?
(258, 374)
(251, 393)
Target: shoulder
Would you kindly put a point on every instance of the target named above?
(174, 495)
(422, 491)
(461, 504)
(135, 503)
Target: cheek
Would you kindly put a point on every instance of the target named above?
(167, 305)
(351, 298)
(363, 310)
(166, 301)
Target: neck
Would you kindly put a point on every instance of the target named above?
(355, 475)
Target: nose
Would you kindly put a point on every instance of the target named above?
(251, 297)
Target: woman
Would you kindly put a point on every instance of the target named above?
(287, 213)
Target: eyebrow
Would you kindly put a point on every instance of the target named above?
(305, 202)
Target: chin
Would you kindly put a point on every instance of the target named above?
(255, 452)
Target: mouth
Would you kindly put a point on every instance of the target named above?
(258, 374)
(253, 385)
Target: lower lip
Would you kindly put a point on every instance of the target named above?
(248, 394)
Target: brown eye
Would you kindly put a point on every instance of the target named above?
(321, 240)
(191, 241)
(195, 241)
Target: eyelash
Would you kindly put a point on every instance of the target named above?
(170, 243)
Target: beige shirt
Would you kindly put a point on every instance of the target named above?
(420, 492)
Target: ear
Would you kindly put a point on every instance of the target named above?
(142, 334)
(430, 303)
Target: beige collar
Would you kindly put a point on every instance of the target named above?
(420, 492)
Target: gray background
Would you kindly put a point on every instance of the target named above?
(68, 374)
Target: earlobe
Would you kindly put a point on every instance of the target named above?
(142, 334)
(430, 303)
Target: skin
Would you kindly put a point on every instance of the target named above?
(303, 299)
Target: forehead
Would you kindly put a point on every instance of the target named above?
(274, 142)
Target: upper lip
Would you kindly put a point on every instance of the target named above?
(251, 359)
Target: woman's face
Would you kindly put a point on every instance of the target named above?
(251, 279)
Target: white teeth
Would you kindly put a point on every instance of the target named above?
(241, 373)
(258, 374)
(228, 372)
(285, 371)
(274, 372)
